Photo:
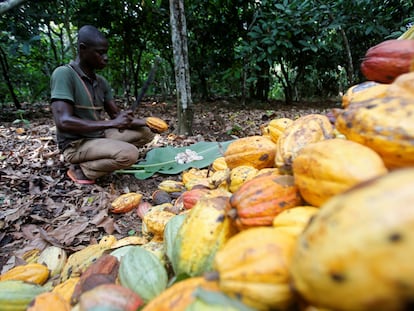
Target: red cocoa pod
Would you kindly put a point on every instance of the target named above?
(110, 296)
(104, 270)
(191, 197)
(143, 208)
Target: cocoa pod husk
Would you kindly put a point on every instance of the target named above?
(103, 271)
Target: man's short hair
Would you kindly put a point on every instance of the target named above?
(89, 35)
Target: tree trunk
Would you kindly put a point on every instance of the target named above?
(286, 84)
(10, 4)
(181, 67)
(263, 83)
(5, 69)
(350, 69)
(52, 44)
(66, 22)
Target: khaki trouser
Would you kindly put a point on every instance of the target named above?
(100, 156)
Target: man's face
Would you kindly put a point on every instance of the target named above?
(95, 55)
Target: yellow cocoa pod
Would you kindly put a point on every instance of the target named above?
(303, 131)
(194, 173)
(171, 186)
(254, 267)
(32, 272)
(219, 164)
(360, 240)
(202, 182)
(156, 124)
(31, 256)
(129, 240)
(386, 125)
(180, 295)
(126, 202)
(239, 175)
(294, 220)
(54, 258)
(257, 151)
(364, 91)
(402, 86)
(220, 179)
(49, 301)
(79, 261)
(327, 168)
(204, 231)
(66, 288)
(277, 126)
(154, 222)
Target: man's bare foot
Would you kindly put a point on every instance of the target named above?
(76, 174)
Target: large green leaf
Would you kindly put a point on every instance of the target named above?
(162, 160)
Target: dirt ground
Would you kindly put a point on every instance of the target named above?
(40, 206)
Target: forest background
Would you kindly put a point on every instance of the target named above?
(288, 50)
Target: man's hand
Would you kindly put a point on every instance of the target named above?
(123, 120)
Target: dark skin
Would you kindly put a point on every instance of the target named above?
(92, 56)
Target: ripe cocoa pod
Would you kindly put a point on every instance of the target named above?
(103, 271)
(54, 258)
(32, 272)
(170, 186)
(156, 124)
(66, 288)
(110, 297)
(49, 301)
(126, 202)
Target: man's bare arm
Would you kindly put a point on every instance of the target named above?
(66, 121)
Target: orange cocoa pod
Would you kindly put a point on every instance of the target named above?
(156, 124)
(32, 272)
(126, 202)
(256, 151)
(180, 295)
(260, 199)
(66, 288)
(49, 301)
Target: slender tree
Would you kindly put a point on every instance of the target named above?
(5, 70)
(181, 67)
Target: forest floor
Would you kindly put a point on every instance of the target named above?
(41, 206)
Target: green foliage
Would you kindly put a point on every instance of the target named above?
(163, 160)
(21, 120)
(282, 49)
(305, 45)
